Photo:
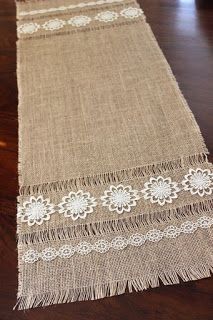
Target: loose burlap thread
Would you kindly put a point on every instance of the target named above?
(100, 107)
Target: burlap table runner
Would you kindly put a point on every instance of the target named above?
(115, 185)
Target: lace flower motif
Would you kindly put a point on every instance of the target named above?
(77, 205)
(131, 13)
(31, 256)
(84, 248)
(79, 21)
(137, 240)
(120, 198)
(160, 190)
(106, 16)
(35, 211)
(198, 181)
(204, 222)
(119, 243)
(154, 235)
(49, 254)
(66, 251)
(54, 24)
(28, 27)
(102, 246)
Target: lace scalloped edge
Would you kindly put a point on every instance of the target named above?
(118, 225)
(116, 176)
(98, 291)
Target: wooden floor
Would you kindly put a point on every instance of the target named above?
(184, 30)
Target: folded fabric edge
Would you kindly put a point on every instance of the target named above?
(99, 291)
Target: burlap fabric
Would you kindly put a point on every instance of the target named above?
(115, 185)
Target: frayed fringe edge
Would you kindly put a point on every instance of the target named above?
(121, 225)
(113, 177)
(99, 291)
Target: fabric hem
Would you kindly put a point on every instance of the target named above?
(118, 287)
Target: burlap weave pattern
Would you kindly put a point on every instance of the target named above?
(100, 107)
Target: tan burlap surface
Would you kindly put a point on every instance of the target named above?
(115, 185)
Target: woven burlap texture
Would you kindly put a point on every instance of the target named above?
(99, 106)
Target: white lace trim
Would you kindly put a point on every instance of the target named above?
(118, 243)
(70, 7)
(160, 190)
(198, 181)
(131, 13)
(106, 16)
(119, 199)
(77, 205)
(36, 210)
(79, 21)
